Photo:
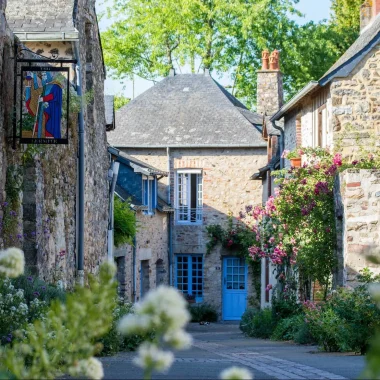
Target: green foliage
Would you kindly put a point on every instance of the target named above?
(203, 313)
(52, 345)
(114, 341)
(120, 101)
(293, 328)
(226, 36)
(258, 323)
(34, 287)
(345, 22)
(347, 320)
(125, 223)
(285, 303)
(16, 310)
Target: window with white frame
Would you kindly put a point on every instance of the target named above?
(150, 194)
(189, 197)
(322, 127)
(189, 276)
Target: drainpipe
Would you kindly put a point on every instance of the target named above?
(282, 143)
(114, 171)
(170, 219)
(170, 249)
(134, 267)
(81, 171)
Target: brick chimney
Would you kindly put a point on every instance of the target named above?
(270, 94)
(368, 12)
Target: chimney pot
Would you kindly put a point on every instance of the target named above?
(265, 60)
(274, 61)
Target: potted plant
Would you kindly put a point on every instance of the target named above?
(190, 298)
(295, 159)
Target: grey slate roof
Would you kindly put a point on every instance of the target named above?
(356, 48)
(109, 111)
(45, 16)
(187, 110)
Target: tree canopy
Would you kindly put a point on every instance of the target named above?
(149, 37)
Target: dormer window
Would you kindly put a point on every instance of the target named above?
(149, 194)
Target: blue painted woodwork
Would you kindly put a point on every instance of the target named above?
(189, 275)
(131, 182)
(235, 273)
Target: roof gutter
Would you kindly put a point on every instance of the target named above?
(284, 109)
(47, 36)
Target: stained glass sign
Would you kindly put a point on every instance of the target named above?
(44, 105)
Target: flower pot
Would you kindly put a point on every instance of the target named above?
(296, 162)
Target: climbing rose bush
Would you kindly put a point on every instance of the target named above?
(296, 228)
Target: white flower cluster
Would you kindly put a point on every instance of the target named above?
(90, 368)
(236, 373)
(164, 312)
(150, 356)
(12, 262)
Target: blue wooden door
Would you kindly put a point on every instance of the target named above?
(235, 273)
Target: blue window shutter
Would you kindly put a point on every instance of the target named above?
(154, 193)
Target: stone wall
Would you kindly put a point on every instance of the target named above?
(356, 105)
(151, 244)
(357, 199)
(270, 93)
(227, 188)
(47, 200)
(6, 93)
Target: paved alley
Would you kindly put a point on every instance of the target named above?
(219, 346)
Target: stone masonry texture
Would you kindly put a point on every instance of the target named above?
(359, 197)
(356, 105)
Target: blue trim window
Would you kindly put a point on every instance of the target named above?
(189, 275)
(150, 194)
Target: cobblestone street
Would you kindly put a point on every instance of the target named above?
(220, 346)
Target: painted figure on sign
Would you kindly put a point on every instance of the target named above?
(43, 100)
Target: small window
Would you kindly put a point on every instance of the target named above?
(150, 194)
(189, 194)
(189, 276)
(322, 130)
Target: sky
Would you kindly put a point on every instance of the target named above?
(312, 9)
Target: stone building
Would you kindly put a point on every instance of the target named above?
(210, 144)
(342, 111)
(144, 264)
(47, 201)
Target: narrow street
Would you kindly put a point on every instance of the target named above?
(219, 346)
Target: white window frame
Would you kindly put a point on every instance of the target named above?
(184, 213)
(150, 180)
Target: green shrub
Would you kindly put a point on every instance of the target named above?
(258, 323)
(203, 313)
(293, 328)
(34, 288)
(330, 331)
(16, 311)
(125, 223)
(113, 341)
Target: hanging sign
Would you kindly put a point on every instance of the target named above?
(44, 105)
